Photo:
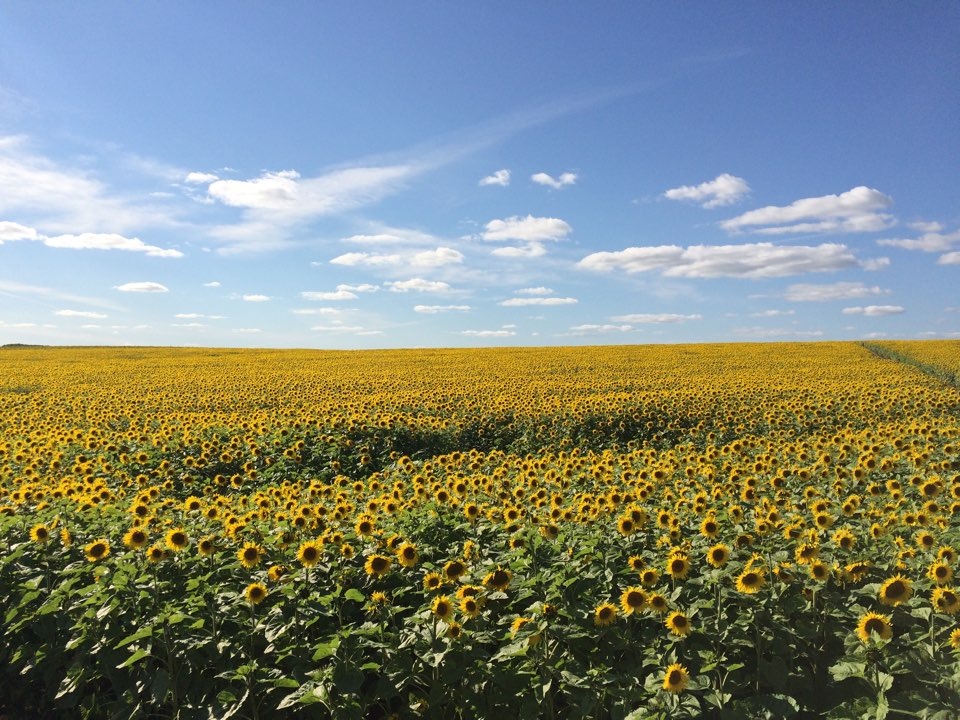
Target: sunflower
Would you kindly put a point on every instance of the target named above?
(549, 532)
(632, 600)
(709, 528)
(135, 538)
(955, 639)
(940, 573)
(379, 598)
(806, 553)
(454, 630)
(677, 623)
(819, 570)
(626, 526)
(177, 540)
(678, 566)
(432, 581)
(750, 581)
(518, 623)
(718, 555)
(407, 555)
(636, 563)
(454, 570)
(874, 623)
(309, 553)
(469, 606)
(156, 553)
(275, 572)
(676, 678)
(499, 579)
(377, 565)
(255, 593)
(442, 607)
(346, 550)
(604, 614)
(657, 603)
(649, 577)
(364, 526)
(97, 550)
(469, 591)
(40, 533)
(946, 600)
(895, 591)
(249, 555)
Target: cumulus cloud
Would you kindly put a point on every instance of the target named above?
(725, 189)
(500, 177)
(772, 313)
(655, 318)
(805, 292)
(857, 210)
(934, 241)
(488, 333)
(80, 314)
(535, 291)
(108, 241)
(950, 258)
(567, 178)
(341, 294)
(757, 260)
(434, 309)
(142, 287)
(11, 232)
(418, 285)
(542, 301)
(873, 310)
(526, 229)
(256, 298)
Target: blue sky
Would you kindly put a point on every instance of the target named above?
(428, 174)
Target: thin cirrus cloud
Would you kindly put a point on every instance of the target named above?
(655, 318)
(857, 210)
(142, 287)
(873, 310)
(89, 314)
(500, 177)
(565, 179)
(725, 189)
(810, 292)
(750, 261)
(603, 328)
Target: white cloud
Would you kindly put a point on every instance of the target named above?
(354, 329)
(542, 301)
(500, 177)
(256, 298)
(81, 314)
(925, 227)
(761, 333)
(317, 311)
(601, 328)
(197, 316)
(212, 284)
(950, 258)
(361, 288)
(250, 331)
(535, 291)
(143, 287)
(488, 333)
(804, 292)
(526, 229)
(857, 210)
(108, 241)
(928, 242)
(11, 232)
(530, 250)
(418, 285)
(655, 318)
(567, 178)
(434, 309)
(772, 313)
(189, 325)
(425, 259)
(873, 310)
(16, 289)
(725, 189)
(757, 260)
(200, 178)
(335, 295)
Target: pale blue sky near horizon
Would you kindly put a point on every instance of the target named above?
(427, 174)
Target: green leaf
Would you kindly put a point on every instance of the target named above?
(137, 656)
(847, 669)
(139, 635)
(355, 595)
(325, 650)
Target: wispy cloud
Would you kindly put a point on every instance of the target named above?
(874, 310)
(857, 210)
(655, 318)
(435, 309)
(539, 301)
(142, 287)
(807, 292)
(725, 189)
(89, 314)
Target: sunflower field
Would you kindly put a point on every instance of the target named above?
(720, 531)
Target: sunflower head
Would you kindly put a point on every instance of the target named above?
(377, 565)
(97, 550)
(249, 555)
(677, 623)
(177, 539)
(750, 581)
(718, 555)
(432, 581)
(454, 570)
(604, 614)
(499, 579)
(874, 623)
(255, 593)
(442, 607)
(40, 533)
(946, 600)
(895, 591)
(309, 553)
(633, 600)
(407, 554)
(675, 679)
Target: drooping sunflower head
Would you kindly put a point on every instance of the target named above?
(517, 624)
(874, 623)
(604, 614)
